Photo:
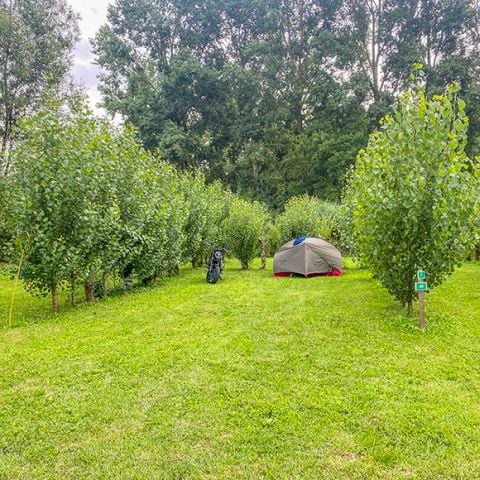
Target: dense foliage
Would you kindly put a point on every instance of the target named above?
(276, 98)
(5, 221)
(243, 228)
(37, 37)
(207, 207)
(414, 193)
(87, 202)
(309, 216)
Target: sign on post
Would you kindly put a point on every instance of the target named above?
(421, 286)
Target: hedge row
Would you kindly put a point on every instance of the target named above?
(83, 203)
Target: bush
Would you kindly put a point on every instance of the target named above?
(207, 207)
(243, 227)
(309, 216)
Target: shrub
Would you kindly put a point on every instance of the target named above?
(207, 207)
(309, 216)
(243, 227)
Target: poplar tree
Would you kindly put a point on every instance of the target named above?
(414, 193)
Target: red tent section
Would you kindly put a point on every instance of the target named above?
(332, 273)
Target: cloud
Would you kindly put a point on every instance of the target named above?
(86, 73)
(93, 15)
(82, 51)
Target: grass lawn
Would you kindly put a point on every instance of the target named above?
(252, 378)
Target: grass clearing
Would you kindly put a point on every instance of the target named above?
(252, 378)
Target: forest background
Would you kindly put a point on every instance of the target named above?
(276, 97)
(272, 97)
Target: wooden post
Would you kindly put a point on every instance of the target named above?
(89, 296)
(421, 310)
(263, 256)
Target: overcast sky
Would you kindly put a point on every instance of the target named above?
(93, 15)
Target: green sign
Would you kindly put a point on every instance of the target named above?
(421, 275)
(421, 286)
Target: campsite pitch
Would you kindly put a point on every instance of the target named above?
(252, 378)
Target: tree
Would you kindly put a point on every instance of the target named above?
(275, 98)
(243, 228)
(48, 199)
(414, 193)
(388, 36)
(207, 207)
(219, 88)
(37, 39)
(308, 216)
(155, 236)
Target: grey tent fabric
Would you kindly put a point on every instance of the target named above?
(314, 256)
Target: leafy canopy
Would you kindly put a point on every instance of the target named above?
(414, 193)
(243, 228)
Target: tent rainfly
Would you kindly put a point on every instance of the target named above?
(308, 257)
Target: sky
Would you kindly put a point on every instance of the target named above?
(93, 14)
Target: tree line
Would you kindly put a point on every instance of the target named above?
(275, 98)
(85, 204)
(272, 97)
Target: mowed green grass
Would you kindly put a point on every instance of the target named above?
(252, 378)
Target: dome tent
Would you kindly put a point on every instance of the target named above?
(309, 257)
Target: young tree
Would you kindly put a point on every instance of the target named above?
(310, 216)
(414, 193)
(207, 207)
(37, 39)
(243, 228)
(95, 222)
(157, 246)
(46, 178)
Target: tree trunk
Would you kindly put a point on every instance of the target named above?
(89, 297)
(104, 284)
(263, 256)
(244, 266)
(194, 263)
(410, 307)
(477, 253)
(55, 306)
(73, 291)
